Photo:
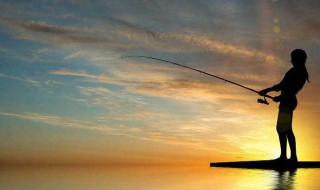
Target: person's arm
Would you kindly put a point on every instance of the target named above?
(276, 87)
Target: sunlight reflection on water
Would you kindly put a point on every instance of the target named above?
(157, 178)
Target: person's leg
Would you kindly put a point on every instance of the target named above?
(292, 144)
(283, 126)
(283, 145)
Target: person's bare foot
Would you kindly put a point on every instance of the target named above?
(294, 159)
(281, 159)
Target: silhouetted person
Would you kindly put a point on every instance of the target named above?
(290, 85)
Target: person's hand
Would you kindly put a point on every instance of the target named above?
(264, 92)
(277, 99)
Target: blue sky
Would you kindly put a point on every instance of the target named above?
(65, 89)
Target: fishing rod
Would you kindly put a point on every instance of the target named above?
(260, 100)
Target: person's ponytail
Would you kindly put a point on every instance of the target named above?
(307, 74)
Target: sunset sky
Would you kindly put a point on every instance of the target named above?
(67, 98)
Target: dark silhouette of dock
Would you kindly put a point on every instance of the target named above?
(267, 164)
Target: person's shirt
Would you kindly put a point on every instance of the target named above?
(290, 85)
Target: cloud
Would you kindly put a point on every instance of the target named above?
(178, 89)
(189, 129)
(149, 135)
(63, 35)
(127, 36)
(114, 101)
(60, 121)
(43, 27)
(32, 81)
(23, 79)
(212, 45)
(94, 78)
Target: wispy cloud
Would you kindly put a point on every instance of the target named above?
(115, 102)
(182, 89)
(95, 78)
(60, 121)
(158, 136)
(32, 81)
(23, 79)
(192, 131)
(129, 36)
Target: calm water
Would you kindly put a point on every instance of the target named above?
(154, 178)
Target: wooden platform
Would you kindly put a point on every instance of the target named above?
(266, 164)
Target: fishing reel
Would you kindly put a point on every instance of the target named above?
(263, 101)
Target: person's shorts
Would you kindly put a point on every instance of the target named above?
(284, 123)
